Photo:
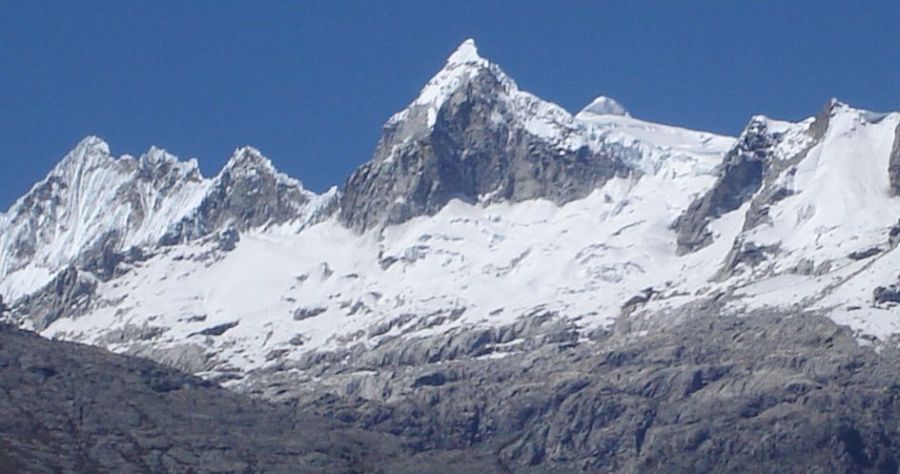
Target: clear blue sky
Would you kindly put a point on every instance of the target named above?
(310, 83)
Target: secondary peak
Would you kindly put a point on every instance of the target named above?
(466, 53)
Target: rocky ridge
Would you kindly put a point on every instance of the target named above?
(95, 212)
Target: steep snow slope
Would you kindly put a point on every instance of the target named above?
(87, 199)
(828, 241)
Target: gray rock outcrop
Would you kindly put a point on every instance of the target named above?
(68, 295)
(749, 173)
(741, 176)
(248, 193)
(477, 149)
(887, 295)
(777, 392)
(894, 166)
(71, 409)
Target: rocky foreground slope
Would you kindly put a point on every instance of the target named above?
(69, 408)
(533, 289)
(700, 398)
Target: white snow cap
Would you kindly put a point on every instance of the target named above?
(90, 152)
(466, 53)
(604, 105)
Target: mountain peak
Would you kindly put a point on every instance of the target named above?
(604, 105)
(93, 142)
(463, 65)
(249, 162)
(156, 155)
(472, 134)
(466, 53)
(249, 158)
(835, 103)
(88, 153)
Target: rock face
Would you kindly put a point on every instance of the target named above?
(472, 135)
(70, 408)
(757, 171)
(248, 193)
(894, 167)
(887, 294)
(530, 397)
(67, 296)
(741, 176)
(779, 393)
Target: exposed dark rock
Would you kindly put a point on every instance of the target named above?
(864, 254)
(387, 262)
(642, 298)
(103, 257)
(386, 327)
(741, 177)
(68, 295)
(276, 354)
(894, 235)
(887, 294)
(746, 254)
(228, 239)
(759, 207)
(710, 394)
(248, 193)
(819, 127)
(894, 164)
(430, 380)
(749, 173)
(305, 313)
(198, 318)
(131, 333)
(70, 409)
(467, 154)
(217, 330)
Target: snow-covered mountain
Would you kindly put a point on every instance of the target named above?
(94, 211)
(483, 208)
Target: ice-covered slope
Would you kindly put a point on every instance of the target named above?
(822, 231)
(91, 199)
